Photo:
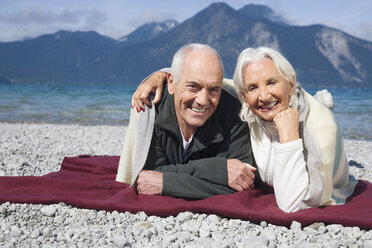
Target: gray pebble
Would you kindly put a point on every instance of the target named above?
(317, 225)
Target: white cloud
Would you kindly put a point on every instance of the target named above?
(41, 17)
(34, 22)
(364, 31)
(150, 15)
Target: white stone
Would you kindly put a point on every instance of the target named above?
(184, 216)
(213, 219)
(15, 231)
(47, 232)
(334, 228)
(367, 244)
(204, 231)
(49, 210)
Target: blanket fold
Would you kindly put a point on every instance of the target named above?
(89, 182)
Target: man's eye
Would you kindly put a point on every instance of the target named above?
(192, 87)
(271, 82)
(214, 91)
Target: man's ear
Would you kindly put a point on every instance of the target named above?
(170, 83)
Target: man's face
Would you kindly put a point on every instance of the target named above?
(198, 90)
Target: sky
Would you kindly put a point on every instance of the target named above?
(20, 19)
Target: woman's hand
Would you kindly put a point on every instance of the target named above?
(287, 124)
(240, 175)
(153, 85)
(150, 182)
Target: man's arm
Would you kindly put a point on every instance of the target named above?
(178, 185)
(182, 180)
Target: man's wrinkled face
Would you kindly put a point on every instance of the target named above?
(198, 90)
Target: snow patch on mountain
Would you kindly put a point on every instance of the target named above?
(263, 36)
(334, 46)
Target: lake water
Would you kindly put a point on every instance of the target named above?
(110, 105)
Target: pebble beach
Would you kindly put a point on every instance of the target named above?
(37, 149)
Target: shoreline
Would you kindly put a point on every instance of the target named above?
(37, 149)
(124, 123)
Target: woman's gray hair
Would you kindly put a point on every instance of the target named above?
(182, 53)
(251, 55)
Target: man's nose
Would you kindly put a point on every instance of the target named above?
(202, 97)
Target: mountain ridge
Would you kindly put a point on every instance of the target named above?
(322, 56)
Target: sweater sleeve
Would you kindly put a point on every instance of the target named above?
(290, 177)
(187, 186)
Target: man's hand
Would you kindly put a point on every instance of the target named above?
(240, 175)
(153, 84)
(150, 182)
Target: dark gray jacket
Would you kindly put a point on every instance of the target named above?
(201, 172)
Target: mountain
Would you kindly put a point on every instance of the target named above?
(61, 57)
(148, 31)
(321, 56)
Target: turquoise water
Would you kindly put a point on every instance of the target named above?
(78, 104)
(110, 105)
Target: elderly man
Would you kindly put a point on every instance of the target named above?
(199, 146)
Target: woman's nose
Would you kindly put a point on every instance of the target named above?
(264, 94)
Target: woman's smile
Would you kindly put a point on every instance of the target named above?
(268, 107)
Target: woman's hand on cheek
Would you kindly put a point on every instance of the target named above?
(287, 124)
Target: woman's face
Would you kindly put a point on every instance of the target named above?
(266, 92)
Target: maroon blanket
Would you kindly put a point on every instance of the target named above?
(89, 182)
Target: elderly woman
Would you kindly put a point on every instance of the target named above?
(296, 142)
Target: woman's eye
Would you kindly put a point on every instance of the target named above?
(272, 82)
(251, 88)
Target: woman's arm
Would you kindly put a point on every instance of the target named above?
(153, 85)
(290, 179)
